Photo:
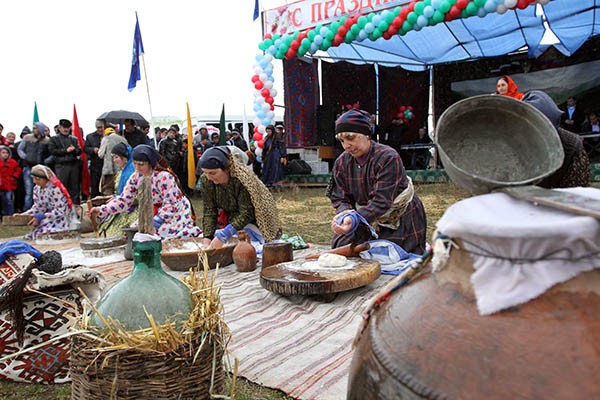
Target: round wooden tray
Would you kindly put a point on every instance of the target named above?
(178, 260)
(305, 277)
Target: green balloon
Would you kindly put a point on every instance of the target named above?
(355, 29)
(479, 3)
(269, 43)
(330, 35)
(444, 7)
(362, 21)
(397, 11)
(437, 17)
(311, 35)
(383, 26)
(276, 36)
(412, 18)
(390, 18)
(376, 34)
(471, 9)
(261, 46)
(335, 26)
(326, 44)
(305, 42)
(407, 26)
(288, 40)
(349, 38)
(419, 8)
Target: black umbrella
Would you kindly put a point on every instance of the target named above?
(119, 116)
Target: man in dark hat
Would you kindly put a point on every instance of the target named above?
(91, 147)
(215, 139)
(371, 193)
(67, 165)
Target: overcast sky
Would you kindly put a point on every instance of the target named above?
(66, 52)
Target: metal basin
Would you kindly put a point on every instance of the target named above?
(490, 141)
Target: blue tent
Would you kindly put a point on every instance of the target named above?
(572, 22)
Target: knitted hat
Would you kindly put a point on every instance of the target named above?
(26, 130)
(354, 120)
(120, 149)
(143, 152)
(215, 158)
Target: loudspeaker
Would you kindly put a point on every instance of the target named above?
(326, 125)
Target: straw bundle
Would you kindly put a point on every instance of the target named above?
(163, 361)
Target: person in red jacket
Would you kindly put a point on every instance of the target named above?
(10, 172)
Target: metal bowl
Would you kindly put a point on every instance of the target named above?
(491, 141)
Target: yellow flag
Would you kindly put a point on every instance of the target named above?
(191, 157)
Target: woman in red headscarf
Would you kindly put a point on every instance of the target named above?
(52, 205)
(507, 87)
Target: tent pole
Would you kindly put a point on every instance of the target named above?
(431, 116)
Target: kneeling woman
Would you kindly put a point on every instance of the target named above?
(172, 210)
(52, 205)
(235, 198)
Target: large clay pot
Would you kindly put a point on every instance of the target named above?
(244, 254)
(429, 341)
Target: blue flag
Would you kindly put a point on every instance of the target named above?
(138, 48)
(256, 12)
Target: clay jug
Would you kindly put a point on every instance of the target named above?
(148, 287)
(244, 254)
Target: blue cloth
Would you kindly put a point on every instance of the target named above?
(356, 220)
(14, 247)
(157, 222)
(226, 233)
(39, 216)
(392, 257)
(126, 173)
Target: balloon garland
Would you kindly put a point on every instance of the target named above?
(405, 114)
(385, 24)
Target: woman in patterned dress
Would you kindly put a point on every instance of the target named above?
(172, 210)
(52, 205)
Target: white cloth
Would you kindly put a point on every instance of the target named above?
(521, 250)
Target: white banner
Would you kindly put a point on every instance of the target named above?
(309, 13)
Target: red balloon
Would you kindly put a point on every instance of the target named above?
(260, 143)
(454, 12)
(258, 85)
(256, 129)
(255, 78)
(392, 31)
(342, 30)
(269, 100)
(349, 22)
(272, 107)
(402, 109)
(386, 36)
(268, 36)
(290, 53)
(337, 40)
(410, 108)
(295, 45)
(257, 135)
(522, 4)
(302, 35)
(397, 22)
(404, 13)
(398, 116)
(462, 3)
(265, 92)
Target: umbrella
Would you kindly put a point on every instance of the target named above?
(119, 116)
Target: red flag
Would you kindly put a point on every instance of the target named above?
(85, 172)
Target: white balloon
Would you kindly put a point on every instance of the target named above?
(261, 129)
(263, 77)
(266, 107)
(260, 100)
(501, 9)
(270, 114)
(258, 152)
(273, 92)
(268, 57)
(256, 121)
(510, 3)
(269, 84)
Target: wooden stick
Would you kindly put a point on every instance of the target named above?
(92, 218)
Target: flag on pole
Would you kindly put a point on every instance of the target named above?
(85, 172)
(256, 12)
(222, 137)
(36, 117)
(138, 49)
(191, 157)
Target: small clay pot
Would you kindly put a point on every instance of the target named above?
(244, 254)
(275, 253)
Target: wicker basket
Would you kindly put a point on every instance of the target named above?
(129, 374)
(178, 260)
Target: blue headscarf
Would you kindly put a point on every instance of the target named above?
(143, 152)
(128, 170)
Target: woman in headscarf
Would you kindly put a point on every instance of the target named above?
(507, 87)
(575, 169)
(122, 157)
(274, 157)
(172, 210)
(52, 205)
(371, 193)
(234, 199)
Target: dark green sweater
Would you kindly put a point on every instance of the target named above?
(233, 198)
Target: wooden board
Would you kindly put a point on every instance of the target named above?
(559, 200)
(16, 219)
(305, 277)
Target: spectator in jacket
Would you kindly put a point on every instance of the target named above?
(91, 148)
(573, 116)
(33, 150)
(133, 135)
(10, 172)
(67, 164)
(170, 149)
